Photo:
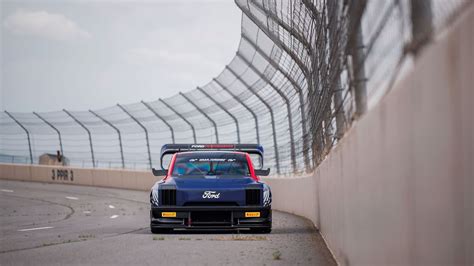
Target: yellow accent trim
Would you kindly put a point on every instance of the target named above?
(252, 214)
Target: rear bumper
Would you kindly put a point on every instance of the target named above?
(221, 217)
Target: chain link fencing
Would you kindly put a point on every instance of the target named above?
(304, 70)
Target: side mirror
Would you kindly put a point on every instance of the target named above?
(262, 172)
(159, 172)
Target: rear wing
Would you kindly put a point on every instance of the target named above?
(175, 148)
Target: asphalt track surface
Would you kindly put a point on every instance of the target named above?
(52, 224)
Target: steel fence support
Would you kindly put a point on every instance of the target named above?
(327, 86)
(276, 40)
(182, 117)
(255, 117)
(358, 56)
(161, 118)
(55, 129)
(223, 109)
(144, 129)
(298, 89)
(315, 93)
(203, 113)
(422, 23)
(88, 133)
(339, 108)
(356, 49)
(275, 143)
(27, 134)
(283, 24)
(356, 9)
(118, 134)
(334, 10)
(310, 6)
(287, 103)
(360, 79)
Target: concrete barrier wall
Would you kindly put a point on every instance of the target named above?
(128, 179)
(398, 188)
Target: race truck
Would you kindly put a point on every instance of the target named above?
(211, 186)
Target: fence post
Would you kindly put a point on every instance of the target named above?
(334, 45)
(182, 117)
(27, 134)
(275, 143)
(118, 133)
(203, 113)
(223, 109)
(144, 129)
(275, 40)
(298, 89)
(287, 103)
(422, 23)
(359, 71)
(54, 128)
(356, 49)
(255, 118)
(294, 33)
(161, 118)
(88, 133)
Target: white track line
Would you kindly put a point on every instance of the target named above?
(7, 190)
(33, 229)
(72, 198)
(112, 206)
(113, 216)
(86, 212)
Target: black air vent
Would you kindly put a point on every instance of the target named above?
(252, 196)
(168, 197)
(207, 203)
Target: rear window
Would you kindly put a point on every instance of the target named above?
(219, 164)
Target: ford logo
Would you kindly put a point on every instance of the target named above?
(210, 195)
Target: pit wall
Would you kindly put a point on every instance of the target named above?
(398, 188)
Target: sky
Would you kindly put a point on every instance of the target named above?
(82, 55)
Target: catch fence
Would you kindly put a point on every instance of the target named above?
(303, 71)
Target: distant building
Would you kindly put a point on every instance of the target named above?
(53, 159)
